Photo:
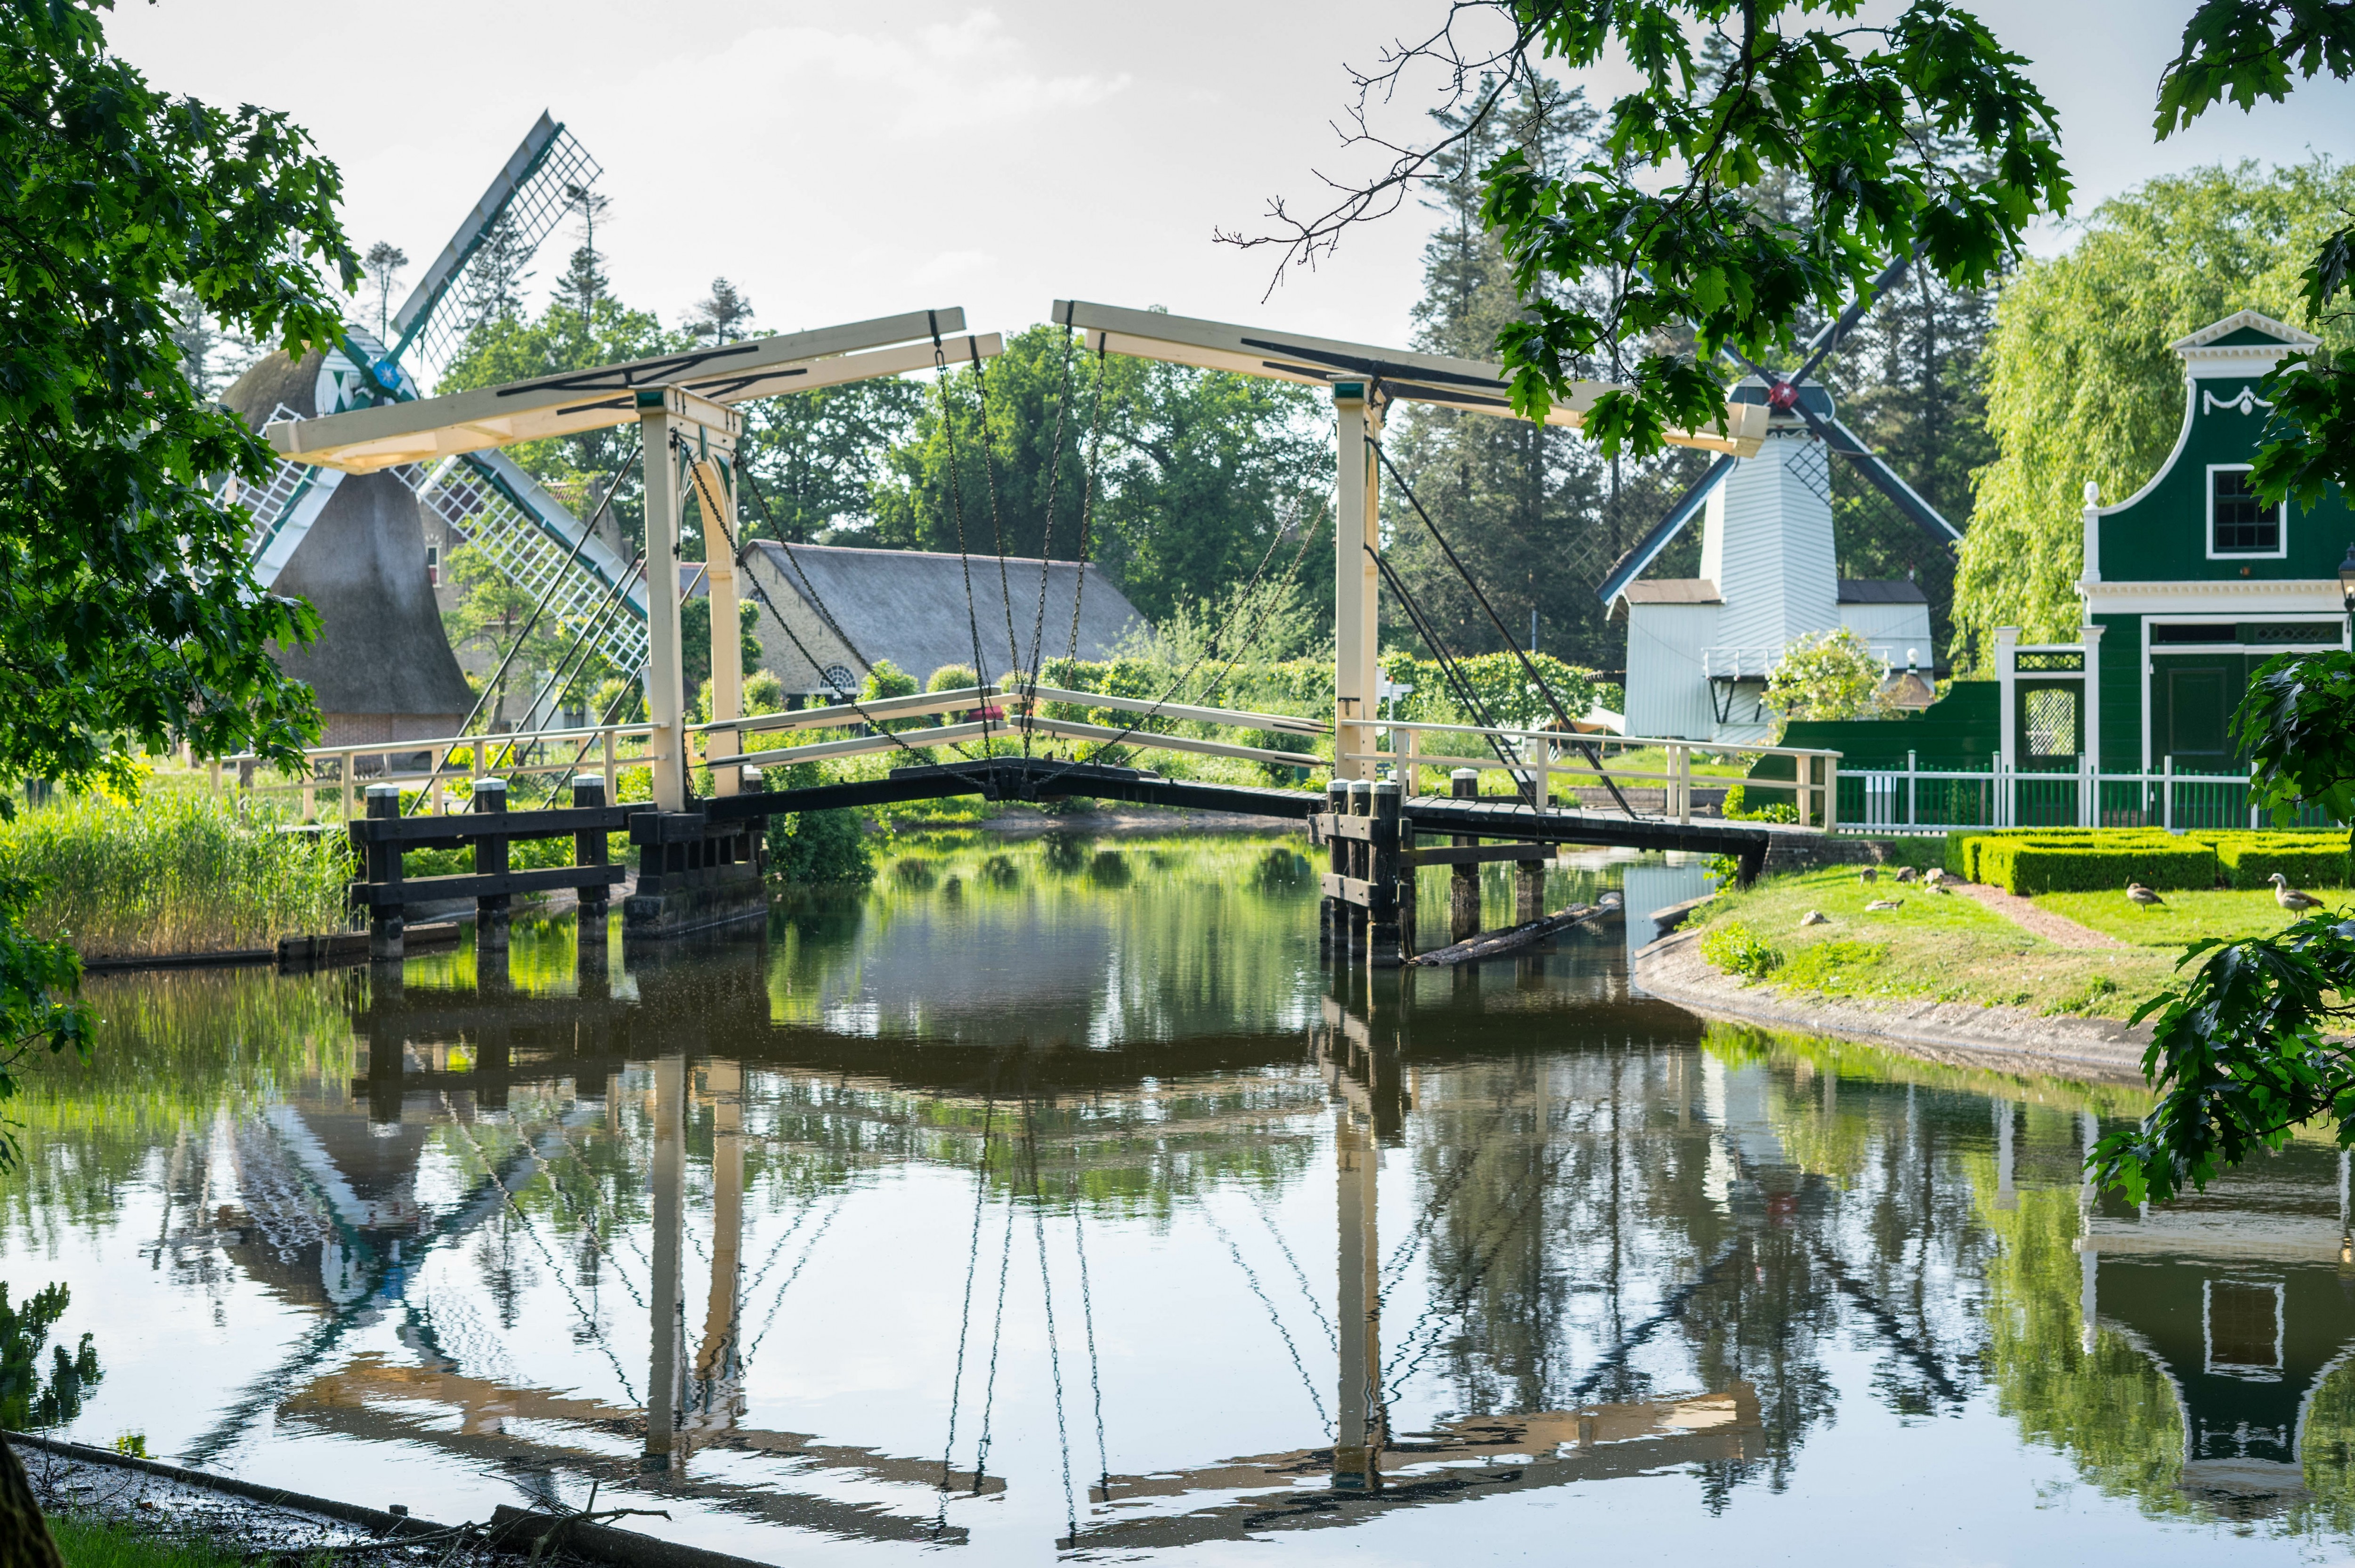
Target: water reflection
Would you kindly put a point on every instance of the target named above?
(1026, 1200)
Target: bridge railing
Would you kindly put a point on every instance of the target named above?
(1540, 759)
(436, 765)
(1542, 756)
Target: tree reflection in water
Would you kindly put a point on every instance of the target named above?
(1516, 1231)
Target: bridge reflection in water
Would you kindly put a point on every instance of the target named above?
(557, 1215)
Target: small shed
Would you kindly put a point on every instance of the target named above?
(850, 608)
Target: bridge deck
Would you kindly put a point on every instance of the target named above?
(1035, 778)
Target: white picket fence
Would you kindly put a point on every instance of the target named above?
(1915, 799)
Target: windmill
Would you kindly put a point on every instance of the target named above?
(1699, 649)
(364, 571)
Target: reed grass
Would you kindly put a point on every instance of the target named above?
(173, 871)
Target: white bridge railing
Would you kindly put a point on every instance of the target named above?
(1540, 761)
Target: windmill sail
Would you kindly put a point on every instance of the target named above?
(528, 196)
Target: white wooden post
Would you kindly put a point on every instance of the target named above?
(2090, 711)
(2166, 792)
(1831, 792)
(715, 497)
(611, 773)
(1803, 774)
(1357, 625)
(1912, 797)
(344, 802)
(663, 673)
(1409, 769)
(1684, 786)
(2006, 671)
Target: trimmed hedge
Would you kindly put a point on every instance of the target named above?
(2047, 859)
(2306, 860)
(2027, 866)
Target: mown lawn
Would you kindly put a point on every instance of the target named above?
(1939, 947)
(2187, 917)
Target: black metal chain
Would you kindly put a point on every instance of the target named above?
(1592, 753)
(736, 553)
(996, 519)
(1047, 536)
(956, 503)
(1448, 668)
(1187, 674)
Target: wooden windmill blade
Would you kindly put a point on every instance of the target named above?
(1640, 556)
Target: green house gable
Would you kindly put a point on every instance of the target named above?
(2195, 520)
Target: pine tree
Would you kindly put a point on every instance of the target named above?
(725, 314)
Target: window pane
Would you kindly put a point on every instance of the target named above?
(2241, 521)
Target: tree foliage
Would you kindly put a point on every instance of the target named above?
(2082, 386)
(1826, 675)
(128, 614)
(1863, 119)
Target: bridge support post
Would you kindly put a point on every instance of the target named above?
(669, 1217)
(1464, 881)
(491, 860)
(1384, 940)
(679, 429)
(588, 849)
(1332, 918)
(718, 1362)
(1529, 890)
(1357, 1437)
(387, 931)
(715, 495)
(1362, 866)
(1357, 621)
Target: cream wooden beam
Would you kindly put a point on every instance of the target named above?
(427, 429)
(1474, 385)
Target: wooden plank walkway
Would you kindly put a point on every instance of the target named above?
(1035, 778)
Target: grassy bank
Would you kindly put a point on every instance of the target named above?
(2187, 916)
(1935, 948)
(86, 1543)
(177, 870)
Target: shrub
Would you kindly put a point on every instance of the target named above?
(2306, 860)
(764, 692)
(1737, 808)
(952, 677)
(1737, 950)
(812, 848)
(2091, 862)
(1826, 675)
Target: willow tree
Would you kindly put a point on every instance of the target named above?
(2081, 385)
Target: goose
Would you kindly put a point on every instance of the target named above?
(1868, 875)
(1906, 873)
(2290, 897)
(1815, 917)
(2138, 895)
(1886, 903)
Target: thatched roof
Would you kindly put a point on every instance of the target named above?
(909, 606)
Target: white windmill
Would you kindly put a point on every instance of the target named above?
(1699, 649)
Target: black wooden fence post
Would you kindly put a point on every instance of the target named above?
(1384, 941)
(491, 860)
(1464, 881)
(588, 849)
(382, 862)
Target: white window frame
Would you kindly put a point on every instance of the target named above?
(2281, 533)
(2152, 650)
(2245, 1371)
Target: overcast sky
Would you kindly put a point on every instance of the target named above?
(840, 162)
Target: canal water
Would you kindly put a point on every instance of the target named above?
(1054, 1198)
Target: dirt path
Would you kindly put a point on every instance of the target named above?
(2057, 929)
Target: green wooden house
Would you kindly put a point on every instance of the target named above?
(2189, 585)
